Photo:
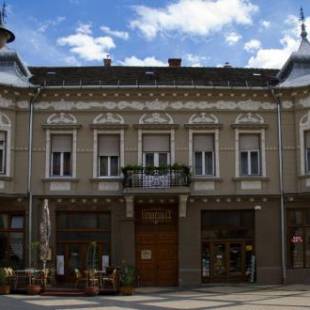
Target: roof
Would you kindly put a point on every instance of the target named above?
(152, 76)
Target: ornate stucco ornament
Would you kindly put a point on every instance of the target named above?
(249, 118)
(61, 119)
(203, 118)
(156, 118)
(4, 120)
(108, 119)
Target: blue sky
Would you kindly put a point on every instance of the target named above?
(255, 33)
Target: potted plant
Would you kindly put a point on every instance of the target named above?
(33, 287)
(127, 279)
(92, 288)
(5, 288)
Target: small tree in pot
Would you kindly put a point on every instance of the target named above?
(127, 279)
(34, 288)
(5, 288)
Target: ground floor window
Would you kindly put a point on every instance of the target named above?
(83, 242)
(298, 230)
(12, 240)
(228, 246)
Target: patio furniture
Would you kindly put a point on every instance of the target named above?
(79, 278)
(109, 281)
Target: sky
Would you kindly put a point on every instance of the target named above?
(245, 33)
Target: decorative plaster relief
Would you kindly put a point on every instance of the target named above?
(204, 186)
(156, 105)
(305, 120)
(203, 118)
(61, 119)
(251, 185)
(60, 186)
(156, 118)
(4, 120)
(109, 186)
(109, 118)
(249, 118)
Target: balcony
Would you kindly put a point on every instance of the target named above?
(156, 177)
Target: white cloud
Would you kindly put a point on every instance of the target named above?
(252, 45)
(276, 57)
(148, 61)
(83, 44)
(265, 23)
(192, 17)
(115, 33)
(51, 23)
(195, 60)
(232, 38)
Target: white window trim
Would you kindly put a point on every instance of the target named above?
(261, 133)
(303, 127)
(49, 133)
(216, 152)
(95, 151)
(203, 165)
(156, 158)
(7, 129)
(249, 162)
(142, 132)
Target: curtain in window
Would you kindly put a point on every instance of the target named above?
(156, 143)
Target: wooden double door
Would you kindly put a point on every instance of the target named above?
(157, 245)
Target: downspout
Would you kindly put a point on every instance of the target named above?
(281, 184)
(29, 183)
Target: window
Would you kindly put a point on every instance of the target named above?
(299, 238)
(250, 160)
(108, 155)
(156, 150)
(204, 158)
(11, 240)
(2, 152)
(61, 156)
(307, 152)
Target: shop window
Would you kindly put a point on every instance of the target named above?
(108, 155)
(11, 240)
(156, 150)
(204, 158)
(298, 222)
(250, 158)
(2, 152)
(61, 155)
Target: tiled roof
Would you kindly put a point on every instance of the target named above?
(153, 76)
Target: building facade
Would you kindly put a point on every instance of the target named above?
(192, 175)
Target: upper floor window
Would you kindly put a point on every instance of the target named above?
(108, 155)
(204, 154)
(250, 155)
(156, 150)
(61, 155)
(2, 152)
(307, 151)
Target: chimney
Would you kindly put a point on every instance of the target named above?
(107, 62)
(175, 62)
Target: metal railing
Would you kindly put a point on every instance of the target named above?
(156, 178)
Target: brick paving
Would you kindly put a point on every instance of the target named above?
(221, 297)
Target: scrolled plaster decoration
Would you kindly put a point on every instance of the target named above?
(4, 121)
(156, 105)
(156, 118)
(249, 118)
(109, 118)
(203, 118)
(61, 119)
(305, 121)
(6, 103)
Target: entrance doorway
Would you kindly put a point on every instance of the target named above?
(157, 245)
(228, 246)
(78, 235)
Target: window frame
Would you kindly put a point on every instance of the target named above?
(262, 152)
(306, 151)
(156, 158)
(3, 149)
(303, 227)
(249, 163)
(5, 126)
(216, 159)
(49, 157)
(96, 157)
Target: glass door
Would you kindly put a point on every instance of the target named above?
(219, 260)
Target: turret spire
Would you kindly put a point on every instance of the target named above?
(303, 26)
(6, 35)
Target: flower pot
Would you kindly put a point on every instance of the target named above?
(5, 290)
(34, 289)
(92, 291)
(127, 290)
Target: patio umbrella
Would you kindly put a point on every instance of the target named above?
(45, 233)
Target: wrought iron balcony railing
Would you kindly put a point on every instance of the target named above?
(156, 178)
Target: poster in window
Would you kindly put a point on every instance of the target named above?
(60, 265)
(105, 262)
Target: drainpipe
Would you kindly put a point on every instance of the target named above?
(29, 185)
(281, 184)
